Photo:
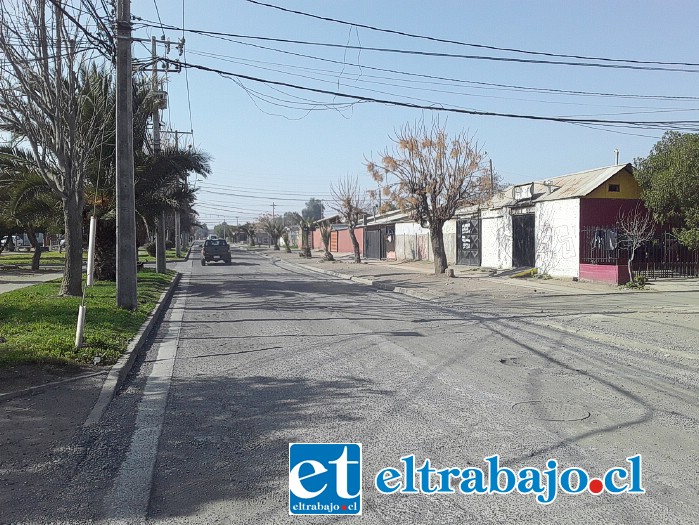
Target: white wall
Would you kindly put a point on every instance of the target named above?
(449, 237)
(412, 242)
(557, 237)
(496, 238)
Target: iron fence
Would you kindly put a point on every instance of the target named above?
(663, 256)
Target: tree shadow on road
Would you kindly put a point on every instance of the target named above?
(225, 440)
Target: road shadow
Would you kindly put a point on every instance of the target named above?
(225, 440)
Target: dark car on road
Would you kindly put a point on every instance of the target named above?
(215, 250)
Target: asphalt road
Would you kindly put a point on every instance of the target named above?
(259, 354)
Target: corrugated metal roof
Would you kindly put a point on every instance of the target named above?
(574, 185)
(387, 218)
(571, 186)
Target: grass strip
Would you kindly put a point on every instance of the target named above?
(170, 256)
(37, 326)
(53, 258)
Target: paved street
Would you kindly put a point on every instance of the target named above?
(259, 354)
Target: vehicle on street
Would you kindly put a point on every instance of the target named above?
(16, 240)
(215, 250)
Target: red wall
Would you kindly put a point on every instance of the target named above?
(344, 243)
(605, 273)
(604, 212)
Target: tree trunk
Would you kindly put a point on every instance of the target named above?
(629, 265)
(105, 250)
(160, 261)
(355, 245)
(73, 269)
(440, 255)
(178, 235)
(36, 258)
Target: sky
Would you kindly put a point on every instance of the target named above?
(281, 145)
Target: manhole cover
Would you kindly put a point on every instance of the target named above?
(551, 410)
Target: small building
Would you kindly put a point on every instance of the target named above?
(539, 224)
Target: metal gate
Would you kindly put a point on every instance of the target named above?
(468, 242)
(333, 241)
(523, 253)
(372, 244)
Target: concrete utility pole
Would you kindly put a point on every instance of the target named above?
(178, 216)
(273, 211)
(160, 265)
(126, 257)
(492, 180)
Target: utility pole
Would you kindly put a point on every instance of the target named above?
(160, 265)
(273, 212)
(126, 257)
(492, 179)
(178, 216)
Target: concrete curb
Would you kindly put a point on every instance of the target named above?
(120, 369)
(410, 292)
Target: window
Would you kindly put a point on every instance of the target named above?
(614, 188)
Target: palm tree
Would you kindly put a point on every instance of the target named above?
(160, 180)
(26, 198)
(273, 226)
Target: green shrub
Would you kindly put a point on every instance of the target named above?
(639, 283)
(150, 248)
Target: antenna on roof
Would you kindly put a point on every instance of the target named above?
(616, 151)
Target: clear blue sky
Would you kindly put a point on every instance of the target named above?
(265, 153)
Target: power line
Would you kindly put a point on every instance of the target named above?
(469, 44)
(240, 196)
(410, 86)
(437, 54)
(96, 41)
(684, 124)
(448, 81)
(308, 194)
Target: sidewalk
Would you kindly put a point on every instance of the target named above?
(14, 278)
(420, 274)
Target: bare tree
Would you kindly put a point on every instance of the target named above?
(636, 227)
(325, 234)
(434, 177)
(350, 203)
(45, 103)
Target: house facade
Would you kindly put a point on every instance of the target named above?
(541, 224)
